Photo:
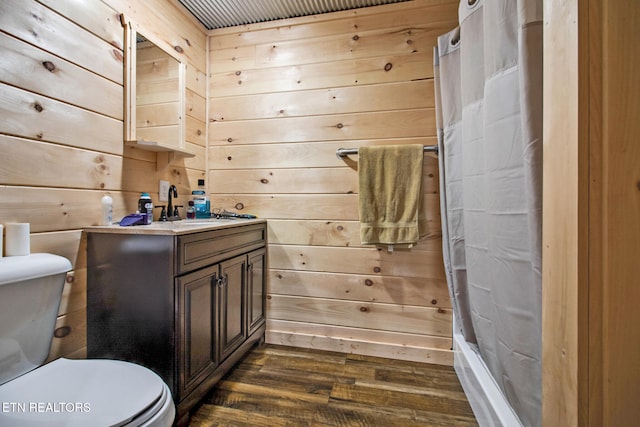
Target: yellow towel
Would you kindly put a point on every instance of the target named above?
(390, 190)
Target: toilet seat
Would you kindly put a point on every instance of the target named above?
(86, 393)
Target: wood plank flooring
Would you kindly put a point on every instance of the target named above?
(285, 386)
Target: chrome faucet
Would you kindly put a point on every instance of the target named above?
(173, 191)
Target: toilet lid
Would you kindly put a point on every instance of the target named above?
(79, 393)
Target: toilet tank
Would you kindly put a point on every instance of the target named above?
(30, 294)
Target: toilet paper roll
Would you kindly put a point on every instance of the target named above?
(17, 239)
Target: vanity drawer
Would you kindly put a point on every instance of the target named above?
(198, 250)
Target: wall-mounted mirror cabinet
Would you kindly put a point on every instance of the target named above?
(154, 97)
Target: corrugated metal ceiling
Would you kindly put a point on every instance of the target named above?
(229, 13)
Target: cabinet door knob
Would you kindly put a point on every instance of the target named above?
(219, 282)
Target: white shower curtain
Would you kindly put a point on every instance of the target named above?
(489, 83)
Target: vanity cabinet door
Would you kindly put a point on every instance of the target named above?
(256, 289)
(233, 330)
(197, 315)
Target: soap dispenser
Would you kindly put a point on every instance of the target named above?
(145, 207)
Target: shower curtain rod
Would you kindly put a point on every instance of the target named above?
(343, 152)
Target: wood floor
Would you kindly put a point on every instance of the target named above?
(284, 386)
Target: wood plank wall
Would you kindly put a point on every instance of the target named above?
(591, 201)
(282, 97)
(61, 131)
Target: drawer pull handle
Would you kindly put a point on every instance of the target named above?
(219, 282)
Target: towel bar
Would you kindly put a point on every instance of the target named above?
(343, 152)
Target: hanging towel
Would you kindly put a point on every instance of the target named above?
(390, 190)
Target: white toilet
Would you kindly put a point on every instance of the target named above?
(64, 392)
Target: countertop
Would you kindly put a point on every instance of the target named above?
(185, 226)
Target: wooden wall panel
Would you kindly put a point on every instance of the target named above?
(308, 180)
(92, 170)
(332, 233)
(591, 202)
(310, 232)
(358, 335)
(196, 132)
(51, 209)
(392, 345)
(42, 27)
(198, 163)
(72, 336)
(37, 117)
(365, 287)
(360, 314)
(308, 206)
(352, 46)
(620, 153)
(301, 181)
(69, 244)
(351, 99)
(283, 96)
(405, 263)
(30, 68)
(61, 133)
(387, 69)
(382, 124)
(195, 106)
(295, 155)
(196, 80)
(95, 17)
(74, 295)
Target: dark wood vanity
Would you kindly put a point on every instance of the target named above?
(186, 301)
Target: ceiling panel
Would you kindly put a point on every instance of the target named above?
(229, 13)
